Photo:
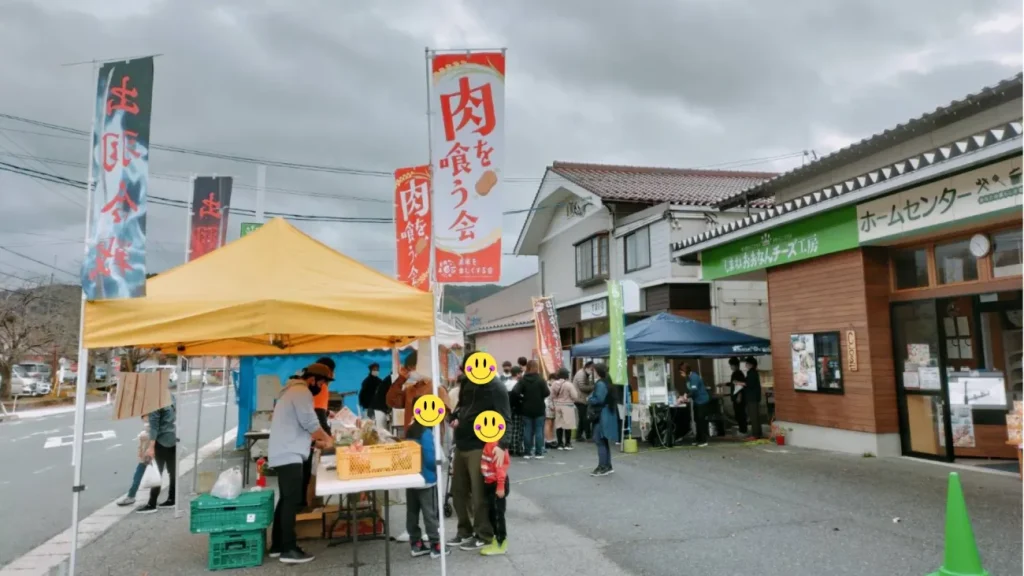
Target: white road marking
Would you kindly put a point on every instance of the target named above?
(213, 404)
(40, 471)
(115, 446)
(61, 441)
(55, 430)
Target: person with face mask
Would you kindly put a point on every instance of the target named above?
(368, 394)
(293, 423)
(584, 381)
(409, 386)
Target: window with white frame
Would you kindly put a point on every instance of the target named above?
(592, 259)
(637, 253)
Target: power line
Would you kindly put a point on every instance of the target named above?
(40, 262)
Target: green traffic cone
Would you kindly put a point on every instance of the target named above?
(961, 557)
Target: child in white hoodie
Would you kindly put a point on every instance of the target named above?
(140, 469)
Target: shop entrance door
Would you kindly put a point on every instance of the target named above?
(925, 429)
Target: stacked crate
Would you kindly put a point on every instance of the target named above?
(237, 528)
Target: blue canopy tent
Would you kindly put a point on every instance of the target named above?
(666, 334)
(350, 370)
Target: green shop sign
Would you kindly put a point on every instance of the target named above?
(248, 227)
(826, 233)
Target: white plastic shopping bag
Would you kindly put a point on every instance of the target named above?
(152, 478)
(228, 485)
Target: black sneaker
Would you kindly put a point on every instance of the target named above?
(296, 557)
(435, 551)
(472, 544)
(597, 471)
(419, 549)
(458, 541)
(167, 504)
(274, 553)
(608, 470)
(147, 509)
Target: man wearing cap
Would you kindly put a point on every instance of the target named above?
(320, 401)
(293, 423)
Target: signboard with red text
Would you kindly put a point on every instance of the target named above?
(114, 265)
(413, 226)
(468, 140)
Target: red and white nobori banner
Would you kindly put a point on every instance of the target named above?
(468, 148)
(549, 340)
(413, 226)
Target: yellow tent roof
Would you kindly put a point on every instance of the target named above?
(275, 291)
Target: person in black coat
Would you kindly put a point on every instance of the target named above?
(738, 381)
(752, 398)
(533, 390)
(368, 390)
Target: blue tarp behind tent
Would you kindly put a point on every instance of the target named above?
(670, 335)
(351, 369)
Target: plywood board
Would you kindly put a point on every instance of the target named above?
(140, 394)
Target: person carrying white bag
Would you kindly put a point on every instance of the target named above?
(164, 453)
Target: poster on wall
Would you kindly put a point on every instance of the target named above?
(468, 139)
(962, 420)
(805, 377)
(115, 252)
(928, 378)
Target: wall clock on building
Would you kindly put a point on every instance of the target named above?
(980, 245)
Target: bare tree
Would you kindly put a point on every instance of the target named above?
(34, 319)
(133, 356)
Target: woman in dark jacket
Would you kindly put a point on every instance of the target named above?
(533, 390)
(606, 429)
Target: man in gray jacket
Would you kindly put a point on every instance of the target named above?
(292, 425)
(584, 382)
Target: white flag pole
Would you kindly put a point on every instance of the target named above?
(435, 364)
(82, 378)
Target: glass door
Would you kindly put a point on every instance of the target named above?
(923, 399)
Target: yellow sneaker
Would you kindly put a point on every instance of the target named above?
(492, 549)
(504, 546)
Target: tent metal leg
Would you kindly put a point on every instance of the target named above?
(199, 420)
(81, 390)
(227, 396)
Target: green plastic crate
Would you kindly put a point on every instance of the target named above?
(241, 549)
(250, 511)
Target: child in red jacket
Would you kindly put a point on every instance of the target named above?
(494, 464)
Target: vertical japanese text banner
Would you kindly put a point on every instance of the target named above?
(616, 335)
(468, 145)
(114, 265)
(549, 340)
(413, 226)
(211, 199)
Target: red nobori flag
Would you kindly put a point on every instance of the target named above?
(549, 341)
(468, 143)
(211, 201)
(413, 226)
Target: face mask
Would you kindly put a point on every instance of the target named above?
(315, 388)
(508, 372)
(374, 373)
(413, 377)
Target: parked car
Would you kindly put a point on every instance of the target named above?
(164, 367)
(38, 371)
(21, 383)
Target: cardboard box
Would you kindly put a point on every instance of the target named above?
(139, 394)
(313, 524)
(268, 387)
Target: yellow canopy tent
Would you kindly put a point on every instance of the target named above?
(275, 291)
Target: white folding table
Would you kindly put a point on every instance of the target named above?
(328, 484)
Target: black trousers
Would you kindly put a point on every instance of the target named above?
(289, 484)
(700, 417)
(496, 509)
(739, 408)
(754, 415)
(166, 459)
(563, 436)
(307, 466)
(584, 428)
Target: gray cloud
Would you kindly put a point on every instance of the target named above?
(654, 83)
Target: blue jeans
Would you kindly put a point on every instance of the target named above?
(533, 435)
(140, 470)
(604, 453)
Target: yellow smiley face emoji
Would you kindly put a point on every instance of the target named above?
(489, 426)
(428, 410)
(481, 368)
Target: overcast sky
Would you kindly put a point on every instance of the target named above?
(656, 83)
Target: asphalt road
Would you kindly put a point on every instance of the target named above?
(36, 473)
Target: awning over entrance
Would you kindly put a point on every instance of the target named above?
(670, 335)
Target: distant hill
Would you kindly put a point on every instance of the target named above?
(456, 297)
